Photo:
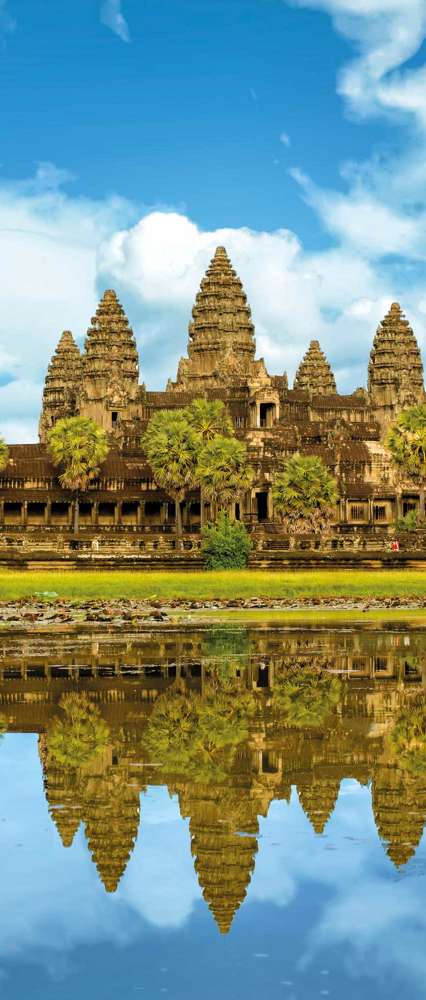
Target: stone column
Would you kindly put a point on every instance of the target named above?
(24, 513)
(95, 513)
(1, 513)
(370, 511)
(70, 513)
(48, 513)
(117, 513)
(140, 513)
(270, 505)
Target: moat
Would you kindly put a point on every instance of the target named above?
(221, 811)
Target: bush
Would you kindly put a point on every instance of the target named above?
(226, 544)
(408, 522)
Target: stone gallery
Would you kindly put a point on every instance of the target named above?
(124, 508)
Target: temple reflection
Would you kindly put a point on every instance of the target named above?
(229, 720)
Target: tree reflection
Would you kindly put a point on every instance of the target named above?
(408, 738)
(305, 697)
(196, 734)
(79, 734)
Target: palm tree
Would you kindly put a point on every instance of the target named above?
(171, 445)
(79, 446)
(4, 454)
(406, 441)
(209, 418)
(223, 472)
(305, 494)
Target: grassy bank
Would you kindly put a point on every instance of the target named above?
(215, 585)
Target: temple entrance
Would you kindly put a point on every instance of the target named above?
(266, 414)
(262, 506)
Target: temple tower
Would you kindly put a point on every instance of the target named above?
(221, 344)
(399, 806)
(62, 793)
(395, 370)
(224, 860)
(110, 368)
(314, 374)
(318, 796)
(62, 384)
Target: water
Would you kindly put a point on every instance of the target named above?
(228, 832)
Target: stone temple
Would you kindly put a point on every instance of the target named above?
(126, 516)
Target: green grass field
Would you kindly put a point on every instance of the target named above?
(208, 586)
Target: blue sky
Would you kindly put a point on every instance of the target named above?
(138, 135)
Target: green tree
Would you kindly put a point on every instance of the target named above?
(171, 446)
(223, 472)
(4, 454)
(79, 734)
(209, 418)
(406, 441)
(78, 446)
(304, 494)
(226, 543)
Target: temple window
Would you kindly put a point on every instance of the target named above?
(379, 512)
(381, 664)
(358, 512)
(114, 418)
(408, 505)
(269, 763)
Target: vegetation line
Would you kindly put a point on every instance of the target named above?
(215, 585)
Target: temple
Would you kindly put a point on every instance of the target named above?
(123, 514)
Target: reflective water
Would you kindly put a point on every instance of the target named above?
(218, 813)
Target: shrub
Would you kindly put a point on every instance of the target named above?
(226, 544)
(408, 522)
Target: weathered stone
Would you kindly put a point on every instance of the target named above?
(314, 374)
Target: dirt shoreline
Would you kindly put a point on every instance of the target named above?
(59, 614)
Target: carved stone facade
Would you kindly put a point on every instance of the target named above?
(102, 382)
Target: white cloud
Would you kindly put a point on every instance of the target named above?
(48, 246)
(285, 139)
(295, 296)
(386, 33)
(113, 17)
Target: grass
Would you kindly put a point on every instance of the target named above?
(210, 585)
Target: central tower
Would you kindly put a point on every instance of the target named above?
(221, 346)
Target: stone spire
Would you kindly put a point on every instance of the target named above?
(395, 370)
(110, 365)
(221, 334)
(314, 374)
(62, 384)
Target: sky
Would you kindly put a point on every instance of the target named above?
(138, 135)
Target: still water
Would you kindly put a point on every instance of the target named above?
(224, 812)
